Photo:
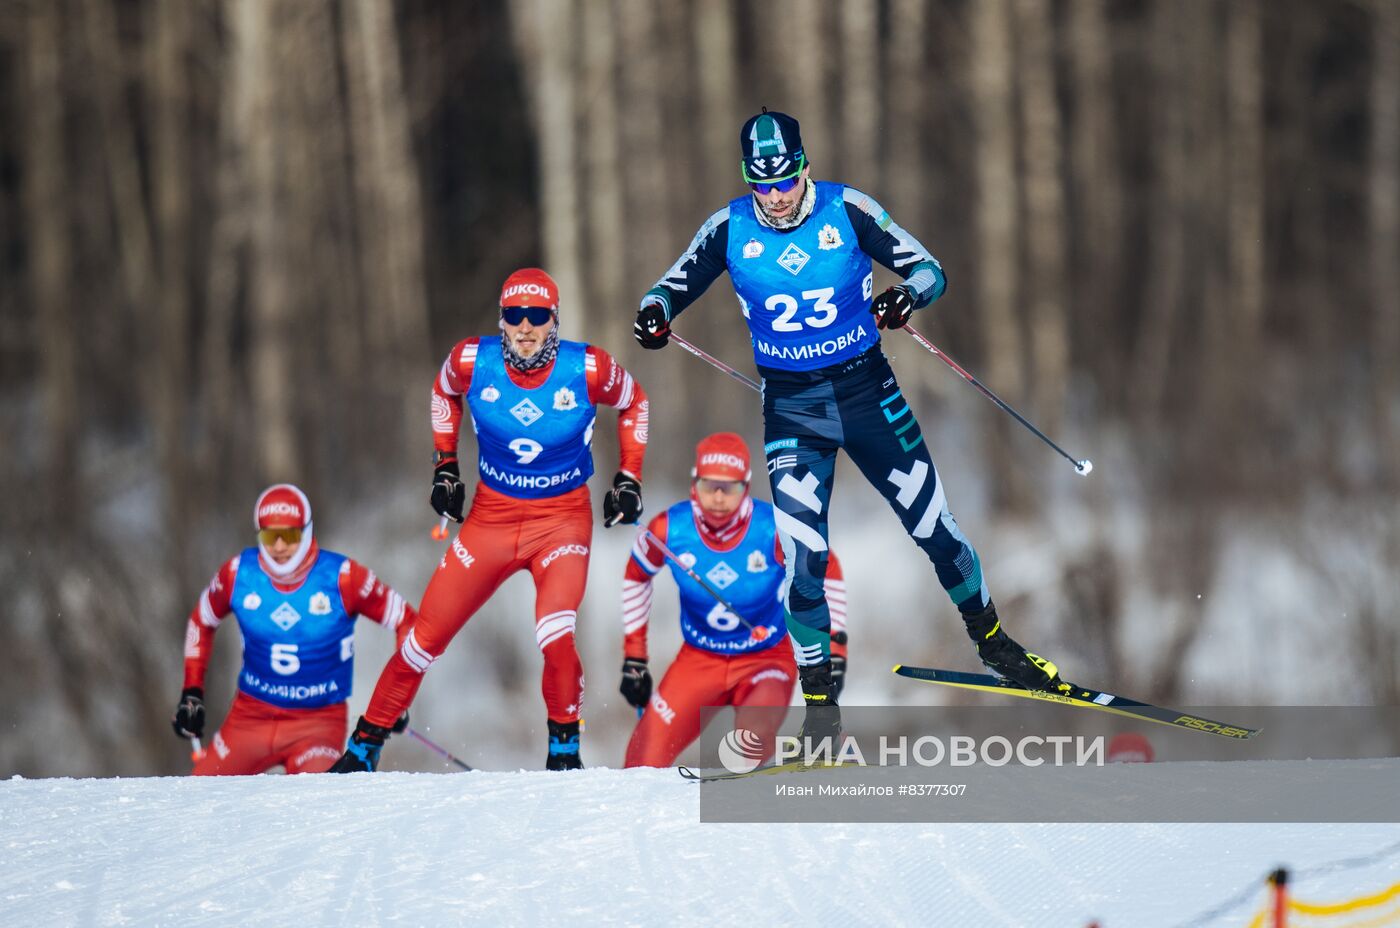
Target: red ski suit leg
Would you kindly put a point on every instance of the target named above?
(257, 736)
(559, 554)
(501, 535)
(757, 686)
(698, 678)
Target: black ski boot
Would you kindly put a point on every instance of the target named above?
(823, 714)
(362, 753)
(563, 747)
(1005, 658)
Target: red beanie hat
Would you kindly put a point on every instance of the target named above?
(722, 456)
(530, 286)
(282, 506)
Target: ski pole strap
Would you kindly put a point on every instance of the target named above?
(444, 752)
(756, 632)
(1081, 467)
(716, 363)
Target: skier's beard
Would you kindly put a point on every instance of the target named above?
(541, 358)
(796, 217)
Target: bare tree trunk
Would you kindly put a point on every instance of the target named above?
(51, 262)
(605, 232)
(310, 127)
(170, 177)
(1098, 191)
(391, 208)
(545, 33)
(257, 68)
(719, 98)
(1384, 221)
(1167, 259)
(220, 453)
(998, 260)
(342, 295)
(808, 90)
(909, 187)
(906, 176)
(653, 247)
(134, 237)
(1246, 102)
(1045, 211)
(722, 116)
(1213, 367)
(860, 96)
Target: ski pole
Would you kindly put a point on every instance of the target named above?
(716, 363)
(443, 751)
(196, 750)
(758, 633)
(439, 531)
(1081, 467)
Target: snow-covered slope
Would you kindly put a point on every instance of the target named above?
(600, 847)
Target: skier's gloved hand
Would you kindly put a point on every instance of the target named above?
(188, 720)
(636, 682)
(838, 661)
(838, 674)
(893, 308)
(623, 503)
(401, 725)
(448, 492)
(653, 326)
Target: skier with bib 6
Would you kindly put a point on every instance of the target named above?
(729, 540)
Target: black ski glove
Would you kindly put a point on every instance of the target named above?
(401, 725)
(448, 492)
(188, 720)
(653, 326)
(623, 503)
(838, 674)
(636, 682)
(838, 664)
(893, 307)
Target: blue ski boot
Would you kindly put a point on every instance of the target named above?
(362, 753)
(563, 747)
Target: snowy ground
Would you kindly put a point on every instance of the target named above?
(603, 847)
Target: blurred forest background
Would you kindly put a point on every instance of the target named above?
(237, 237)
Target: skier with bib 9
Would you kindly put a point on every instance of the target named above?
(296, 606)
(533, 399)
(730, 540)
(799, 254)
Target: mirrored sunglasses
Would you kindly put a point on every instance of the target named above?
(782, 186)
(724, 487)
(269, 536)
(538, 315)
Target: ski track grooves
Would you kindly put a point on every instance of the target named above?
(598, 847)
